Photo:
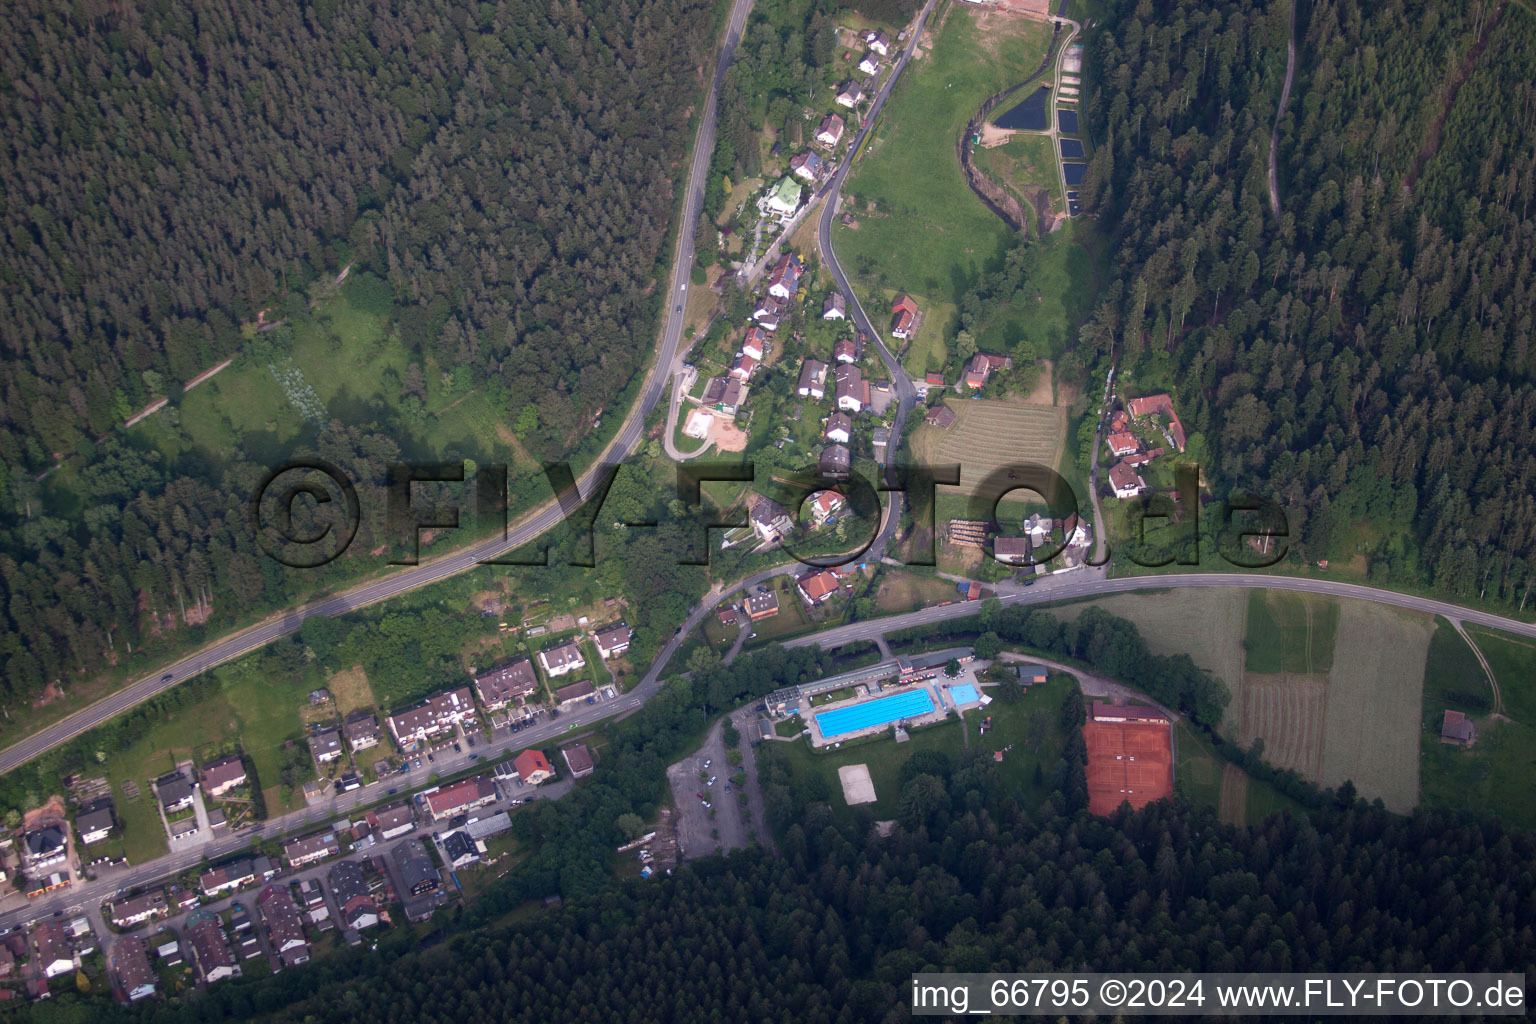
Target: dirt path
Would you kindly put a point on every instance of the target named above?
(1493, 684)
(1437, 126)
(1233, 808)
(1274, 134)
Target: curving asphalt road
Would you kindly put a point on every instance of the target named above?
(545, 517)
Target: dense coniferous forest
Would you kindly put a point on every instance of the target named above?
(501, 175)
(1367, 356)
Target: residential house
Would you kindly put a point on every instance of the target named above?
(850, 95)
(227, 877)
(769, 323)
(51, 952)
(784, 281)
(1457, 728)
(459, 850)
(813, 378)
(437, 714)
(782, 200)
(613, 641)
(825, 505)
(183, 900)
(1161, 405)
(755, 344)
(852, 395)
(285, 930)
(770, 521)
(878, 42)
(132, 912)
(734, 396)
(95, 821)
(7, 962)
(45, 846)
(836, 462)
(903, 317)
(501, 686)
(309, 849)
(933, 380)
(979, 370)
(714, 388)
(222, 775)
(562, 658)
(325, 745)
(1123, 444)
(532, 767)
(941, 416)
(414, 869)
(807, 166)
(815, 587)
(350, 888)
(131, 965)
(835, 307)
(574, 692)
(361, 729)
(461, 796)
(212, 958)
(848, 350)
(389, 822)
(1142, 458)
(768, 306)
(744, 367)
(839, 427)
(578, 759)
(830, 132)
(175, 791)
(1103, 711)
(1012, 550)
(869, 64)
(763, 606)
(1125, 481)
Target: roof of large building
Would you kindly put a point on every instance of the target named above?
(500, 685)
(1105, 711)
(530, 761)
(464, 793)
(131, 963)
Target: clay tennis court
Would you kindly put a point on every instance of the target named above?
(1127, 761)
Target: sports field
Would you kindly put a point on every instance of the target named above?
(989, 434)
(1375, 696)
(1127, 762)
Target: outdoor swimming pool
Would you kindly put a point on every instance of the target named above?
(909, 704)
(965, 693)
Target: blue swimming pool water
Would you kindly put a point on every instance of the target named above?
(965, 693)
(908, 704)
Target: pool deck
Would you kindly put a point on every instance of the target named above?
(938, 714)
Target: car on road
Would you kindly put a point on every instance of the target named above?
(431, 757)
(679, 309)
(474, 757)
(392, 792)
(166, 678)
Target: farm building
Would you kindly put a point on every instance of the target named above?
(1457, 728)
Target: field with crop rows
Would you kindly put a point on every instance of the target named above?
(989, 434)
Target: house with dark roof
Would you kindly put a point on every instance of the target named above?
(285, 929)
(501, 686)
(850, 95)
(1032, 675)
(834, 307)
(836, 462)
(361, 729)
(575, 692)
(878, 42)
(763, 606)
(713, 389)
(45, 846)
(1013, 550)
(839, 427)
(532, 767)
(136, 910)
(325, 745)
(734, 396)
(51, 952)
(1457, 728)
(349, 886)
(941, 416)
(212, 958)
(852, 393)
(414, 869)
(562, 658)
(459, 850)
(175, 791)
(95, 821)
(770, 521)
(223, 774)
(1125, 481)
(813, 377)
(578, 759)
(309, 849)
(131, 965)
(613, 641)
(389, 822)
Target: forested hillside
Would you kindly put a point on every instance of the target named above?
(1368, 355)
(501, 175)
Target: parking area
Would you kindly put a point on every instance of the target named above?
(704, 830)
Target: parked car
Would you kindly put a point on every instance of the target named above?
(711, 781)
(431, 758)
(457, 749)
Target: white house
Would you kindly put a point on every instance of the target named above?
(870, 65)
(562, 658)
(830, 132)
(1127, 483)
(839, 427)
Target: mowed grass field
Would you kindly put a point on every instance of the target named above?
(1026, 164)
(1375, 701)
(989, 434)
(929, 234)
(1290, 632)
(904, 592)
